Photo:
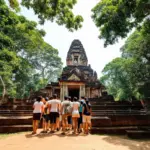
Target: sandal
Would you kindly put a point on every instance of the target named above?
(33, 133)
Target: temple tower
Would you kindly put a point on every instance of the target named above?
(77, 78)
(76, 55)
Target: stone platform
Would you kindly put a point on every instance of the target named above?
(15, 117)
(110, 117)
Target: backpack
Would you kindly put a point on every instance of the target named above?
(87, 108)
(68, 109)
(81, 106)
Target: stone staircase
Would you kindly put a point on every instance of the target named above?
(16, 117)
(122, 117)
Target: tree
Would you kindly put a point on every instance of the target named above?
(137, 46)
(116, 18)
(8, 61)
(46, 61)
(53, 10)
(116, 78)
(23, 53)
(130, 74)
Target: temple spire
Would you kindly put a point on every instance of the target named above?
(76, 55)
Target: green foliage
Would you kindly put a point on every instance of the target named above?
(116, 18)
(59, 11)
(129, 76)
(116, 78)
(24, 55)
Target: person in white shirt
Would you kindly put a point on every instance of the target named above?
(75, 114)
(54, 109)
(37, 113)
(58, 117)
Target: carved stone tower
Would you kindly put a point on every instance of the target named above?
(76, 55)
(77, 78)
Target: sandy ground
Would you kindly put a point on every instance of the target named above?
(26, 141)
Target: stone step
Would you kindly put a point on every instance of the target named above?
(124, 120)
(120, 111)
(15, 128)
(138, 134)
(105, 113)
(114, 103)
(16, 107)
(112, 130)
(15, 120)
(16, 114)
(116, 107)
(109, 101)
(16, 111)
(101, 121)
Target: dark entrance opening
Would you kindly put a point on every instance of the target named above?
(74, 93)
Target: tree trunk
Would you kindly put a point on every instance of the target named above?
(4, 89)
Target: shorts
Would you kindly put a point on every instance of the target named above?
(36, 116)
(46, 117)
(58, 115)
(53, 116)
(86, 119)
(75, 116)
(69, 118)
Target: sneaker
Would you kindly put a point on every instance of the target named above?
(52, 132)
(33, 133)
(63, 133)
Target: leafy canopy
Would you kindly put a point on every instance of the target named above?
(129, 76)
(24, 55)
(116, 18)
(59, 11)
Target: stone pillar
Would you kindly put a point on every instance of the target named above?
(63, 91)
(82, 90)
(87, 92)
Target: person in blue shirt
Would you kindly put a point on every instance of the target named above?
(80, 122)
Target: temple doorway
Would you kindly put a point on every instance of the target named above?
(73, 93)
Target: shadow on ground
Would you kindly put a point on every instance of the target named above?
(132, 144)
(43, 135)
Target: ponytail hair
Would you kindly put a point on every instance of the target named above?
(39, 98)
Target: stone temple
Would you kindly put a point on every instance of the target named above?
(77, 78)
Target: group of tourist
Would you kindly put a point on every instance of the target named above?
(68, 115)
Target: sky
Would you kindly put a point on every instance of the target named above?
(60, 38)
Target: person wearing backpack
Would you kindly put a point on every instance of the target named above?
(75, 114)
(69, 117)
(45, 115)
(86, 116)
(66, 110)
(80, 122)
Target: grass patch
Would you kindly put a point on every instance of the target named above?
(2, 136)
(5, 135)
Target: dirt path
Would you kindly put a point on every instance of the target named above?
(25, 141)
